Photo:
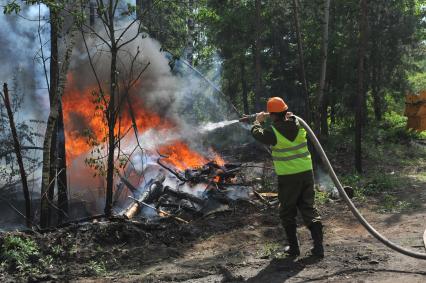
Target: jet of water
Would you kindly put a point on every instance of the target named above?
(210, 126)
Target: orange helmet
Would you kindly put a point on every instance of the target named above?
(276, 104)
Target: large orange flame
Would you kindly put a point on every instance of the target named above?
(82, 116)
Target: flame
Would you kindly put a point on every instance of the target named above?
(82, 116)
(218, 159)
(181, 156)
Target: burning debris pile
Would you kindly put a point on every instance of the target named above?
(183, 194)
(163, 156)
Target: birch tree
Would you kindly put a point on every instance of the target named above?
(59, 66)
(321, 125)
(115, 38)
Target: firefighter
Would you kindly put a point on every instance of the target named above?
(293, 165)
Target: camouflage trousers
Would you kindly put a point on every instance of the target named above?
(296, 192)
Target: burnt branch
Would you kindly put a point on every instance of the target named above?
(180, 177)
(101, 92)
(18, 153)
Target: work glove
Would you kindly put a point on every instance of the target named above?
(261, 117)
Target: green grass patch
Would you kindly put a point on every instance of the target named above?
(391, 204)
(373, 183)
(96, 268)
(272, 250)
(321, 197)
(20, 254)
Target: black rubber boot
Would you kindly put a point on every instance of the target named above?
(317, 237)
(293, 244)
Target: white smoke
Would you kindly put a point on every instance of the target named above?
(20, 55)
(178, 95)
(183, 98)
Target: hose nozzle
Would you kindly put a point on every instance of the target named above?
(248, 118)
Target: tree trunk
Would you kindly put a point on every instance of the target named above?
(17, 147)
(62, 169)
(52, 173)
(111, 112)
(324, 117)
(139, 9)
(366, 86)
(361, 57)
(377, 104)
(307, 108)
(92, 13)
(111, 141)
(324, 55)
(257, 57)
(191, 28)
(232, 90)
(57, 86)
(332, 113)
(49, 147)
(244, 87)
(375, 83)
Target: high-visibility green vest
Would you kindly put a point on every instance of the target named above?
(291, 157)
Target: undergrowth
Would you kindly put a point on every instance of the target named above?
(389, 149)
(20, 255)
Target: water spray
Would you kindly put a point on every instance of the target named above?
(211, 126)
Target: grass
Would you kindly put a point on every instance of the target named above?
(321, 197)
(24, 258)
(392, 160)
(272, 250)
(96, 267)
(391, 204)
(20, 254)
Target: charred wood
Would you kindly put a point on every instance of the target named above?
(152, 191)
(179, 176)
(181, 195)
(160, 211)
(261, 198)
(180, 206)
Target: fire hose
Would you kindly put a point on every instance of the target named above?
(348, 201)
(335, 179)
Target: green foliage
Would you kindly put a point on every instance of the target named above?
(131, 9)
(11, 8)
(321, 197)
(417, 76)
(381, 182)
(15, 8)
(96, 268)
(166, 21)
(272, 250)
(391, 204)
(20, 254)
(393, 128)
(418, 82)
(57, 250)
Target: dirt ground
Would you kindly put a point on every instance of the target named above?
(240, 246)
(250, 252)
(245, 244)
